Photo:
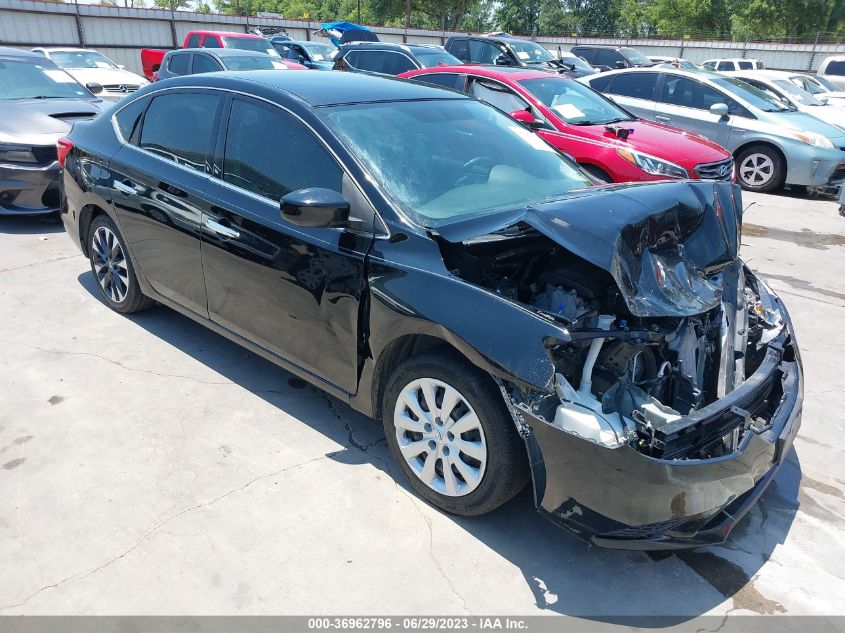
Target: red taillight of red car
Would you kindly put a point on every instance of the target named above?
(63, 147)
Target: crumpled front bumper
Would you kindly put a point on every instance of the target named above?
(620, 498)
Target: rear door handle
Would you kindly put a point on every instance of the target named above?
(220, 229)
(662, 119)
(123, 187)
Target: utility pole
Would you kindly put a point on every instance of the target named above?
(359, 11)
(408, 14)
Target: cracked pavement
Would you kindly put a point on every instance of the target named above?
(149, 466)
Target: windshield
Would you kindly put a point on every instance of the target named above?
(574, 102)
(31, 80)
(434, 57)
(81, 59)
(635, 56)
(259, 62)
(831, 87)
(754, 96)
(576, 61)
(801, 96)
(254, 44)
(807, 84)
(449, 160)
(320, 52)
(529, 52)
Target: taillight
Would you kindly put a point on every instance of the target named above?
(63, 147)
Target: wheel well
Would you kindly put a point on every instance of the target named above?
(86, 217)
(771, 146)
(394, 354)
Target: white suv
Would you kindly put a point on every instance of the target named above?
(833, 69)
(737, 63)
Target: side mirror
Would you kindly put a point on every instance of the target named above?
(502, 60)
(524, 116)
(94, 87)
(719, 109)
(620, 64)
(822, 98)
(301, 59)
(315, 207)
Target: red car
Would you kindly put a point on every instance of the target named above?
(607, 141)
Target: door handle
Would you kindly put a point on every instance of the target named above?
(662, 119)
(220, 229)
(123, 187)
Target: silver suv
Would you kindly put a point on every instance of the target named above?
(772, 143)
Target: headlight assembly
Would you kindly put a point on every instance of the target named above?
(811, 138)
(652, 165)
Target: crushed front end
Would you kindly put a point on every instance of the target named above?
(677, 387)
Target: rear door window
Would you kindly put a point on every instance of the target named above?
(372, 61)
(460, 49)
(745, 65)
(179, 63)
(585, 53)
(179, 127)
(634, 85)
(205, 64)
(212, 41)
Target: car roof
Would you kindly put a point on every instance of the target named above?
(5, 51)
(611, 46)
(323, 89)
(763, 74)
(69, 49)
(290, 41)
(687, 72)
(251, 36)
(391, 45)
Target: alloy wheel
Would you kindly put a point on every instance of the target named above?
(110, 264)
(440, 437)
(756, 170)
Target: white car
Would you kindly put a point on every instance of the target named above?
(821, 88)
(729, 64)
(777, 84)
(91, 67)
(833, 69)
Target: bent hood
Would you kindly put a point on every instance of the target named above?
(663, 243)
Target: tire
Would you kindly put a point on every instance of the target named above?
(112, 268)
(496, 469)
(760, 168)
(597, 172)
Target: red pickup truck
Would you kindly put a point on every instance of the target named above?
(151, 57)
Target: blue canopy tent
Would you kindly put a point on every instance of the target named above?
(342, 32)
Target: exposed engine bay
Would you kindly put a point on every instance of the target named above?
(622, 378)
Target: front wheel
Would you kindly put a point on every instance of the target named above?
(449, 430)
(760, 168)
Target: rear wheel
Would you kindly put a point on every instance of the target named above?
(760, 168)
(112, 268)
(449, 430)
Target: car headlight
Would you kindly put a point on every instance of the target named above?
(652, 165)
(16, 154)
(811, 138)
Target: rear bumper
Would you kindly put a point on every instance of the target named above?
(622, 499)
(29, 190)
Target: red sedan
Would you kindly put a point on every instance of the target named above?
(604, 139)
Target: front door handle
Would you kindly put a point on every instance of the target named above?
(123, 187)
(662, 119)
(220, 229)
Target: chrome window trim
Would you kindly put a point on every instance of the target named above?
(380, 227)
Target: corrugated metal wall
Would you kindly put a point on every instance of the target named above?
(121, 33)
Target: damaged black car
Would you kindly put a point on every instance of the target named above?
(427, 259)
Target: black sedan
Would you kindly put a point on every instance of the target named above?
(423, 257)
(38, 104)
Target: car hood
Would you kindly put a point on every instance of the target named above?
(679, 146)
(105, 76)
(802, 121)
(42, 121)
(663, 243)
(835, 115)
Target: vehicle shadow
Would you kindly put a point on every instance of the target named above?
(19, 225)
(565, 575)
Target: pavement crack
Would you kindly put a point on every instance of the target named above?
(59, 352)
(153, 530)
(41, 263)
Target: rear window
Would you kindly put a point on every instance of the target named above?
(836, 68)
